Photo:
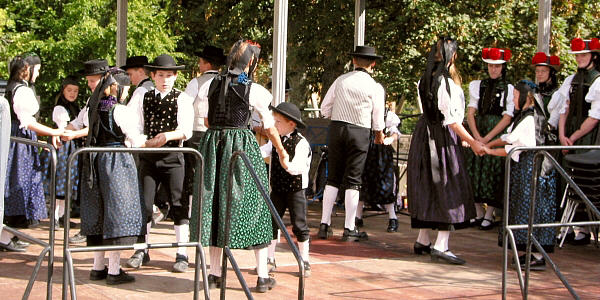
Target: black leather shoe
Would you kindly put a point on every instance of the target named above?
(584, 241)
(359, 222)
(534, 265)
(475, 222)
(214, 282)
(12, 247)
(488, 227)
(123, 277)
(354, 235)
(78, 238)
(139, 258)
(61, 222)
(437, 255)
(99, 275)
(20, 243)
(181, 264)
(265, 284)
(420, 248)
(392, 225)
(325, 231)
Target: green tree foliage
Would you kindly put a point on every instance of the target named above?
(67, 33)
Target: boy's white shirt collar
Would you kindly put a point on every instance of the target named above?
(162, 94)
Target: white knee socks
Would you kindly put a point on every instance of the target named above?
(391, 211)
(114, 262)
(351, 202)
(479, 210)
(359, 209)
(215, 260)
(261, 262)
(441, 242)
(489, 215)
(98, 261)
(60, 209)
(329, 196)
(182, 234)
(423, 237)
(148, 226)
(272, 246)
(303, 247)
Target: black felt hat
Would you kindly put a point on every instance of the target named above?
(94, 67)
(135, 62)
(366, 52)
(290, 111)
(164, 62)
(213, 54)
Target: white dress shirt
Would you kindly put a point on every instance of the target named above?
(25, 106)
(197, 89)
(126, 118)
(355, 98)
(592, 97)
(300, 164)
(521, 136)
(474, 97)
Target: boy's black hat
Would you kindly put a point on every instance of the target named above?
(94, 67)
(366, 52)
(290, 111)
(135, 62)
(213, 54)
(164, 62)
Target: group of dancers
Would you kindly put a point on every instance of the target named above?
(452, 168)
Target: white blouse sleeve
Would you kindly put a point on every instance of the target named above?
(523, 135)
(192, 88)
(378, 123)
(593, 97)
(474, 93)
(60, 116)
(391, 123)
(451, 105)
(25, 106)
(266, 149)
(260, 98)
(510, 105)
(563, 92)
(300, 164)
(328, 100)
(185, 115)
(126, 119)
(136, 105)
(203, 97)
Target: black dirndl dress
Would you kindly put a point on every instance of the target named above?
(378, 178)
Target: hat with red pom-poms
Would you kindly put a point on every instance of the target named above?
(541, 59)
(579, 45)
(495, 56)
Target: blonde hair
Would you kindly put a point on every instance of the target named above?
(452, 70)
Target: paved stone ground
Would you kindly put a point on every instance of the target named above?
(382, 268)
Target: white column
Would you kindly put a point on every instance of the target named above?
(279, 50)
(359, 23)
(544, 25)
(121, 54)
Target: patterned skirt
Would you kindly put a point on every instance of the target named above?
(24, 192)
(250, 217)
(112, 206)
(486, 172)
(378, 177)
(61, 170)
(520, 197)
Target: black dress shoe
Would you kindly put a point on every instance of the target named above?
(586, 240)
(475, 222)
(325, 231)
(437, 255)
(534, 265)
(99, 275)
(265, 284)
(420, 248)
(61, 221)
(12, 247)
(181, 264)
(20, 243)
(487, 227)
(359, 222)
(123, 277)
(214, 282)
(139, 258)
(354, 235)
(392, 225)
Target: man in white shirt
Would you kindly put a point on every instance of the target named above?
(355, 104)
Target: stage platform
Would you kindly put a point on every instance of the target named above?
(384, 267)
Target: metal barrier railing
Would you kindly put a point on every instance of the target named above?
(48, 247)
(508, 229)
(68, 273)
(227, 254)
